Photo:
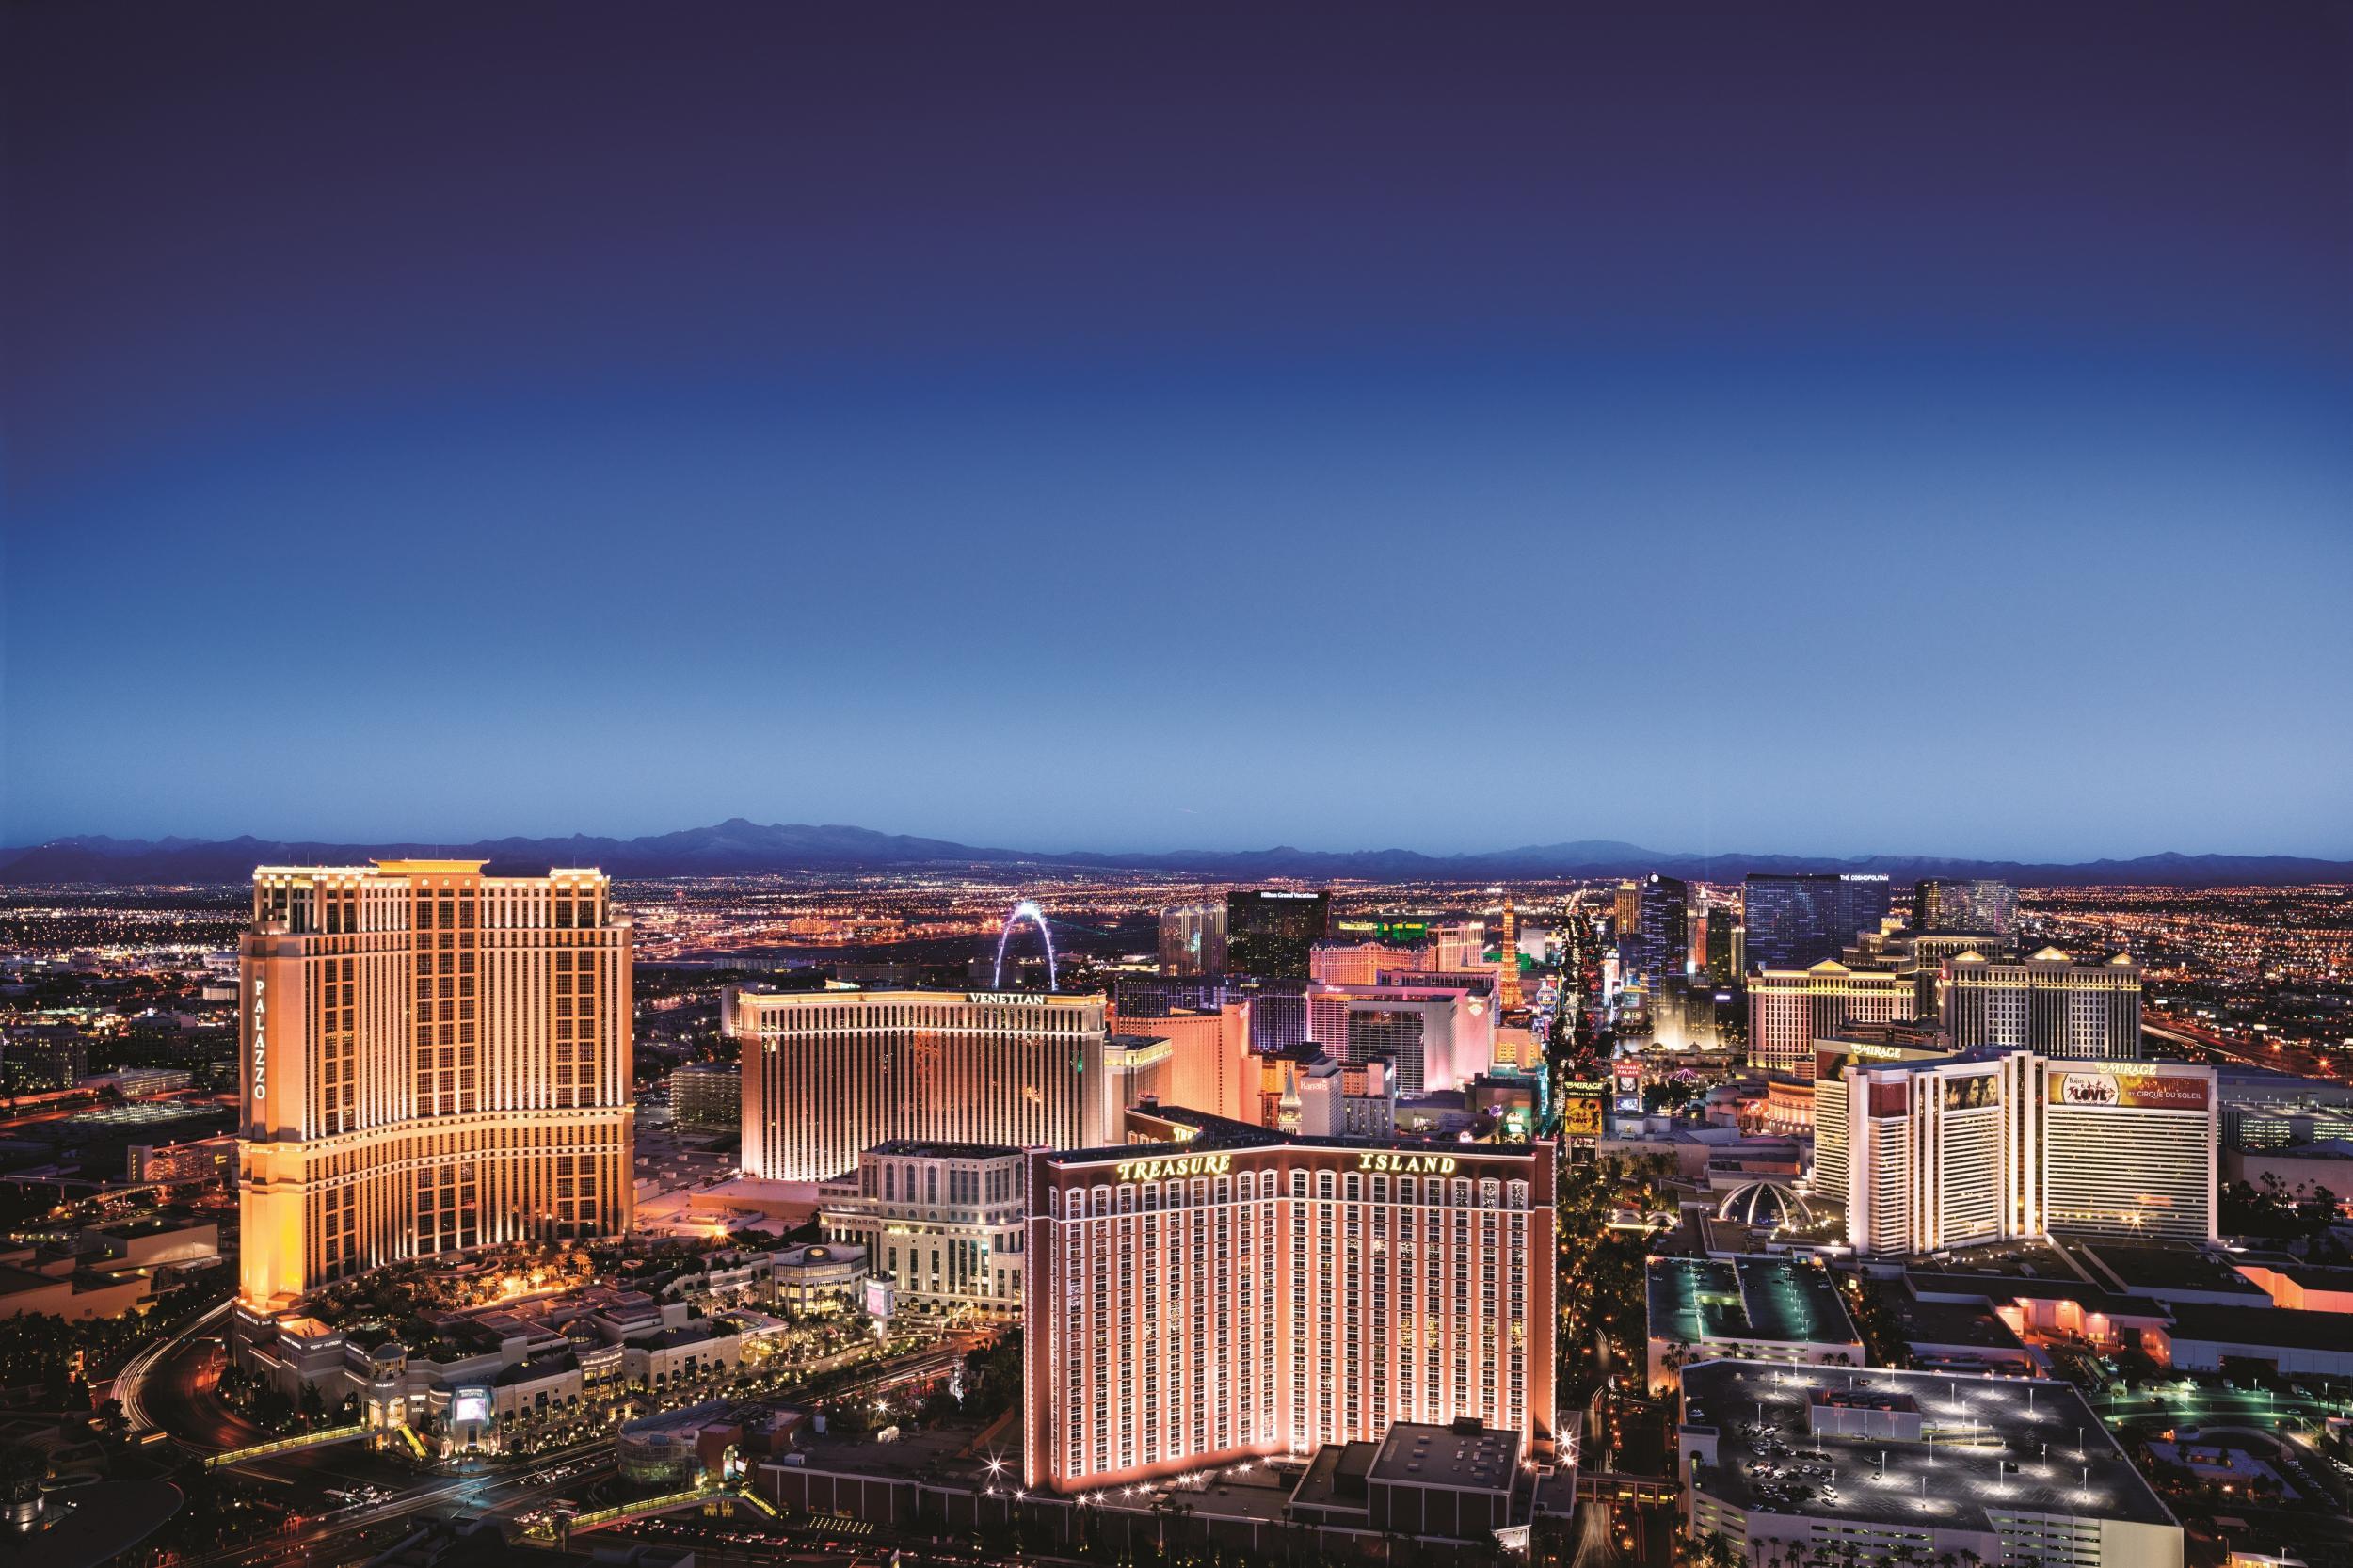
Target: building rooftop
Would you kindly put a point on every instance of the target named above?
(1212, 1133)
(928, 1148)
(2154, 1268)
(1762, 1298)
(1965, 1324)
(2010, 1445)
(1470, 1457)
(2262, 1327)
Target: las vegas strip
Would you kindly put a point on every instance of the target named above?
(1145, 786)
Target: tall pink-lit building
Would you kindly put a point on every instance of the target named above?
(1211, 1067)
(1237, 1295)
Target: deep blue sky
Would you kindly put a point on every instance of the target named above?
(1778, 428)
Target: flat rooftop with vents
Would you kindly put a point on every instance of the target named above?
(1777, 1308)
(1938, 1462)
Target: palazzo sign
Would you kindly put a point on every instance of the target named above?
(261, 1038)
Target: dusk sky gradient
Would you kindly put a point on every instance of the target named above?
(1806, 430)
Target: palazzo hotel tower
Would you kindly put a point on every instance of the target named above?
(431, 1059)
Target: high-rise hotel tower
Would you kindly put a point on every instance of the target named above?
(431, 1060)
(1243, 1295)
(829, 1073)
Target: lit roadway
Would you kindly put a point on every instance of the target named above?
(333, 1538)
(2302, 1060)
(130, 1384)
(172, 1383)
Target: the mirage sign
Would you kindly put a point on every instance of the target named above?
(2133, 1089)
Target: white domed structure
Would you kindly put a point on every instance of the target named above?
(1765, 1205)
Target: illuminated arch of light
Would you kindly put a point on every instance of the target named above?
(1025, 910)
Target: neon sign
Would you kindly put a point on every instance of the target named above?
(1410, 1164)
(1174, 1165)
(261, 1037)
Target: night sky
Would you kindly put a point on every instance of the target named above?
(1793, 429)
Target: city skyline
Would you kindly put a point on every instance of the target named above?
(1170, 786)
(1594, 379)
(738, 847)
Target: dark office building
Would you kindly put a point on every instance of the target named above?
(1269, 932)
(1721, 961)
(1794, 922)
(1662, 937)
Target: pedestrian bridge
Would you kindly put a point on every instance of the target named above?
(1609, 1486)
(285, 1445)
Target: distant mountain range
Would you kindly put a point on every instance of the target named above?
(737, 847)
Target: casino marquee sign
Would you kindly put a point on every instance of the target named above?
(2130, 1089)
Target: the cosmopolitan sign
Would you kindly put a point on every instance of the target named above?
(2133, 1090)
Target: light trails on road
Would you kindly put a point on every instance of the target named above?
(132, 1375)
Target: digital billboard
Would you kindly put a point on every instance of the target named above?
(2133, 1089)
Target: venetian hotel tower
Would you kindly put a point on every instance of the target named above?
(431, 1060)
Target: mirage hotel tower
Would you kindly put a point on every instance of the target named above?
(431, 1060)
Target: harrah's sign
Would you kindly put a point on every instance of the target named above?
(2133, 1090)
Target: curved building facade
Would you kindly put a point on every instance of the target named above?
(430, 1059)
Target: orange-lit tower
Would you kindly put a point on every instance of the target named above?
(430, 1059)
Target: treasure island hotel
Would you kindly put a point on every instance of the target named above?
(432, 1059)
(1243, 1294)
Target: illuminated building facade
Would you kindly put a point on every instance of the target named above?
(1790, 1009)
(1945, 1151)
(945, 1221)
(1193, 940)
(2047, 1004)
(1663, 936)
(1211, 1067)
(707, 1095)
(1944, 904)
(1508, 993)
(1270, 930)
(431, 1059)
(827, 1074)
(1436, 1038)
(1190, 1305)
(1794, 922)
